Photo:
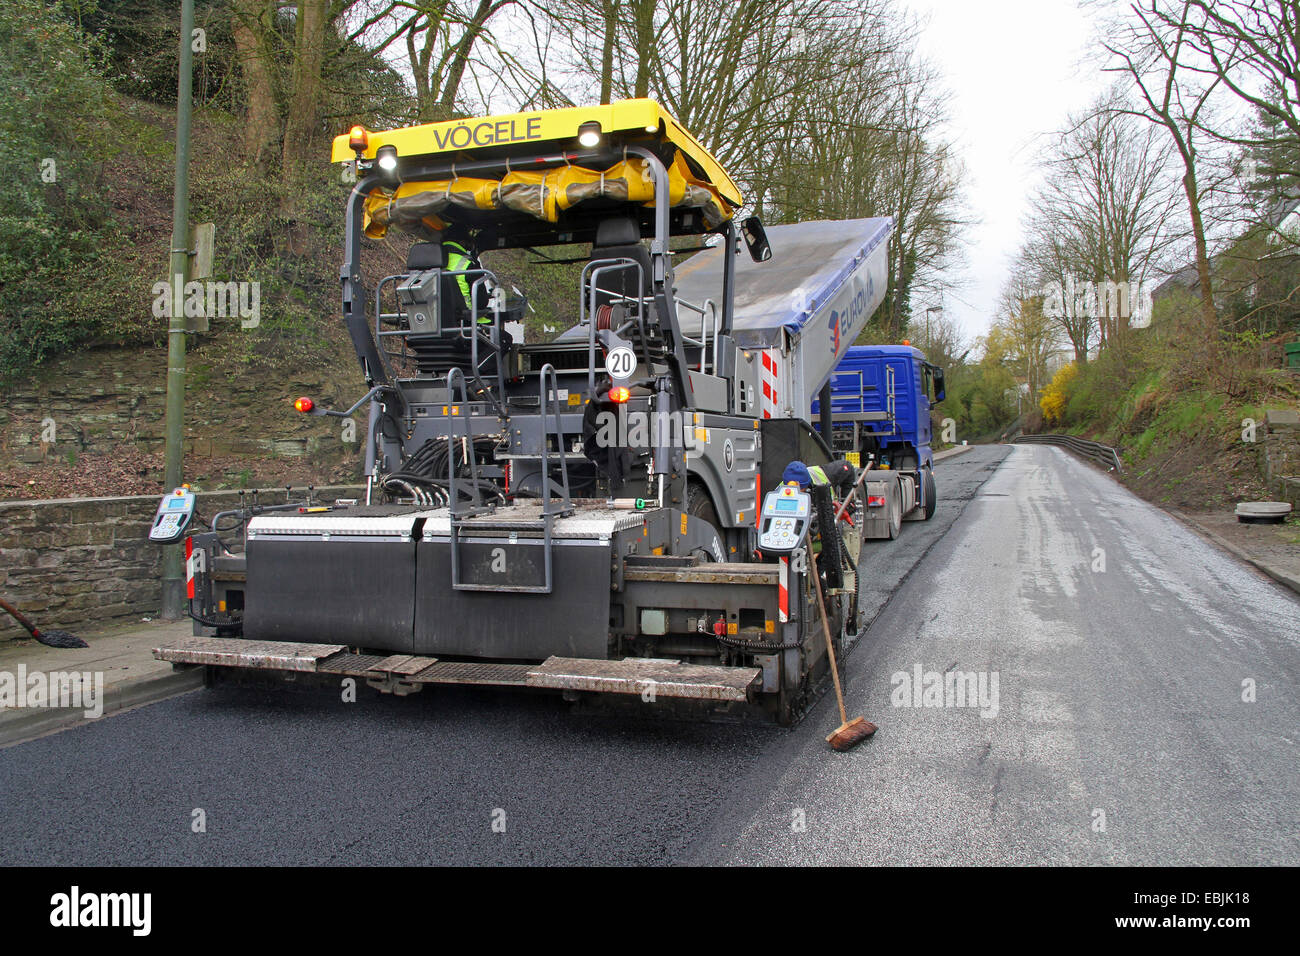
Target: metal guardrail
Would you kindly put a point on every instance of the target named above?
(1096, 452)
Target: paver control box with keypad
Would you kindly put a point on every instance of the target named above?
(787, 513)
(173, 517)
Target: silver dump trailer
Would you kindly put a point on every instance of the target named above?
(796, 315)
(601, 513)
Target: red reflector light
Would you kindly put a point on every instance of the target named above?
(304, 405)
(875, 501)
(619, 394)
(358, 138)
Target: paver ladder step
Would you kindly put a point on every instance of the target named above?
(632, 675)
(638, 675)
(236, 652)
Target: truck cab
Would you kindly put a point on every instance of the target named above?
(881, 398)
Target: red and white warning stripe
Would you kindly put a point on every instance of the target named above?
(783, 591)
(768, 377)
(193, 562)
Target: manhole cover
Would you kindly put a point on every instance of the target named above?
(1263, 512)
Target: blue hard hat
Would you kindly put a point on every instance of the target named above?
(797, 471)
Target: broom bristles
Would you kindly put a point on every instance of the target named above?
(60, 639)
(851, 734)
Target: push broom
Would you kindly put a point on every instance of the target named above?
(849, 733)
(48, 638)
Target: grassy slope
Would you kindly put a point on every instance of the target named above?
(1176, 412)
(241, 382)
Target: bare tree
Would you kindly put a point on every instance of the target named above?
(871, 143)
(1024, 333)
(251, 22)
(1052, 256)
(609, 14)
(1253, 48)
(310, 25)
(1152, 49)
(1100, 221)
(441, 39)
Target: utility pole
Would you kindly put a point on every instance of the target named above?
(173, 572)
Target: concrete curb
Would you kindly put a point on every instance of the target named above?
(1281, 577)
(953, 452)
(19, 726)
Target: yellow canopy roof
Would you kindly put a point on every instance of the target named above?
(421, 206)
(625, 121)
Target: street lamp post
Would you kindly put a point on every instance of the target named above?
(173, 594)
(933, 308)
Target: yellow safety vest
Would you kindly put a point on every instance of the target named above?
(458, 260)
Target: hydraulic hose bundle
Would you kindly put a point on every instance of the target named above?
(423, 475)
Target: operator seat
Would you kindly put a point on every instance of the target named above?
(433, 255)
(436, 354)
(620, 238)
(425, 255)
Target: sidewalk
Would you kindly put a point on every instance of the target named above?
(1271, 548)
(952, 452)
(122, 654)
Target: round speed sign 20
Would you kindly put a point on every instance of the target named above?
(620, 363)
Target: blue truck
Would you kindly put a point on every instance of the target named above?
(880, 398)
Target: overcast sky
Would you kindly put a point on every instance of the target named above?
(1014, 68)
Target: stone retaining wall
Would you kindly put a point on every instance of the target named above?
(98, 401)
(1282, 455)
(79, 563)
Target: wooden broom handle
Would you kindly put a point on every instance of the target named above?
(826, 629)
(18, 616)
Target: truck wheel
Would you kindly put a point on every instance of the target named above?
(931, 496)
(699, 504)
(895, 515)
